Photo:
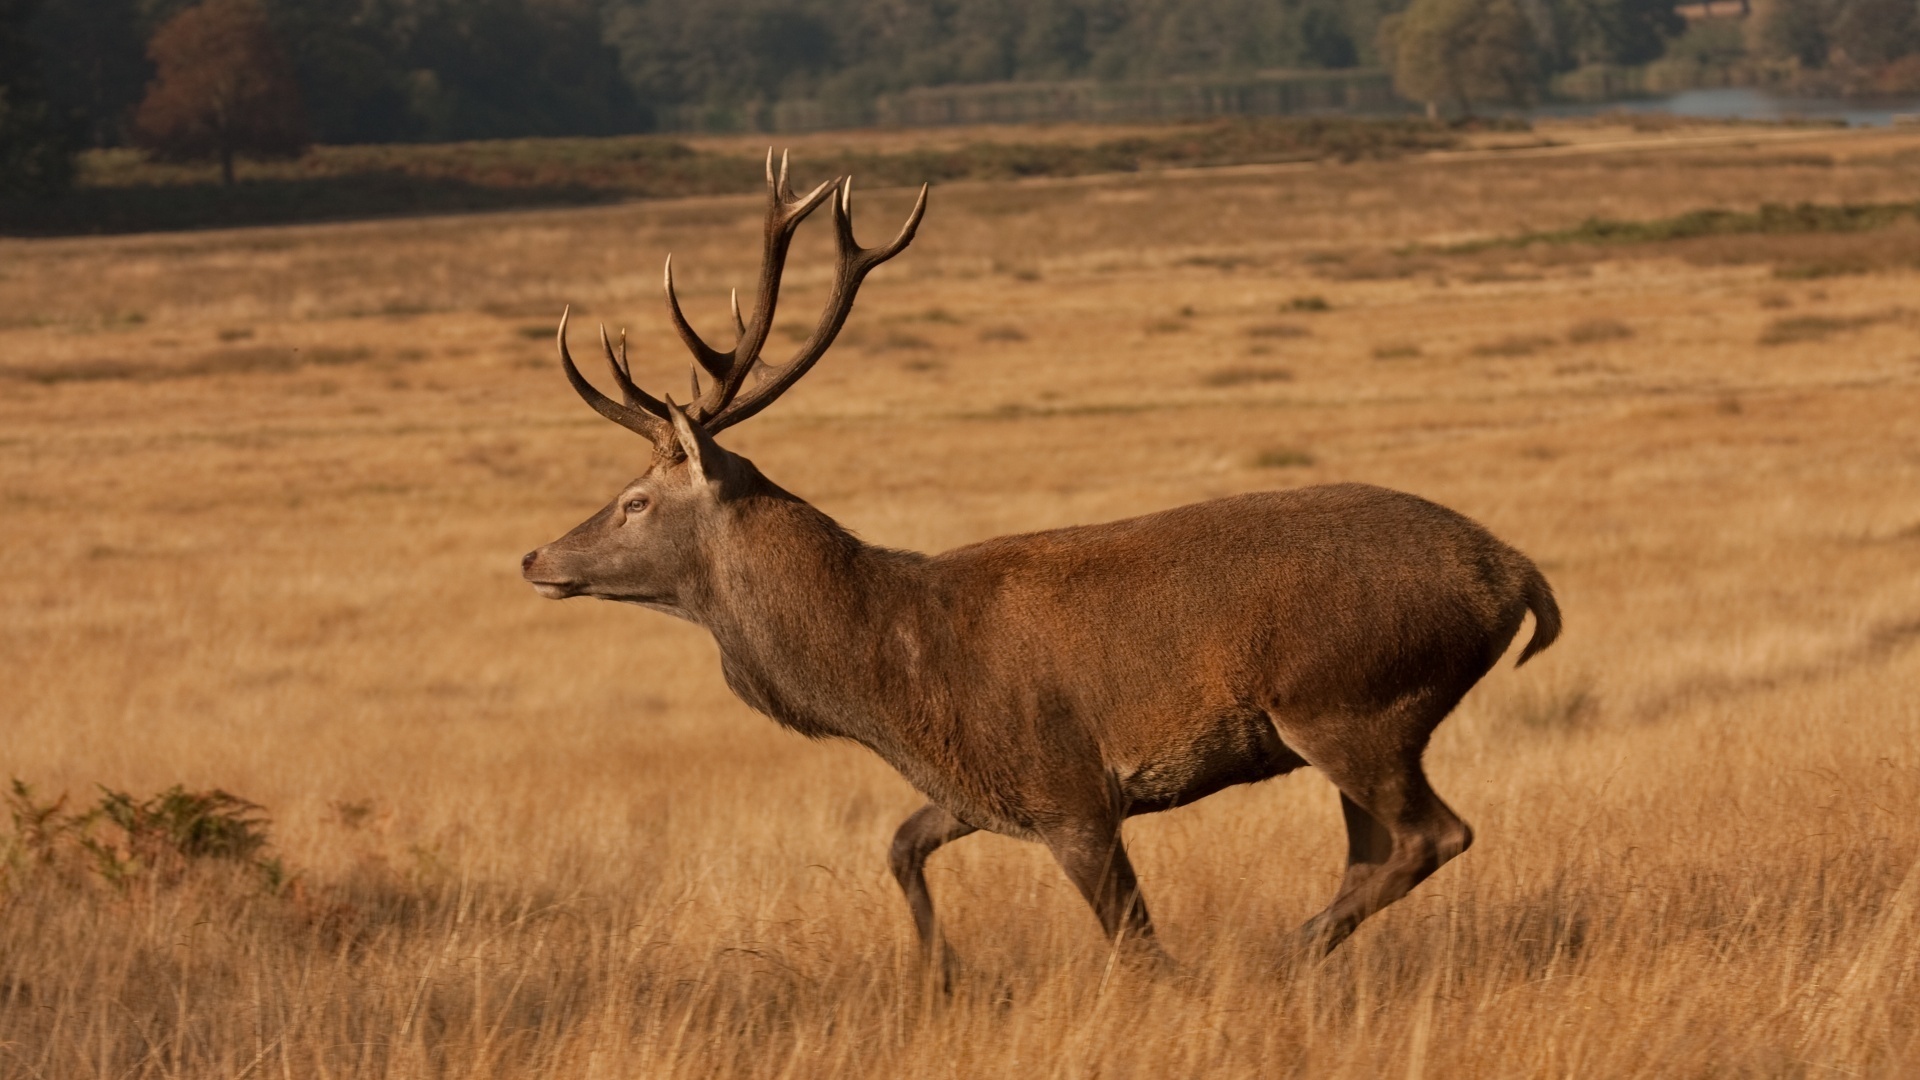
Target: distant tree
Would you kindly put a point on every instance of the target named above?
(1789, 30)
(505, 68)
(348, 59)
(1617, 31)
(1324, 40)
(224, 89)
(1873, 33)
(93, 56)
(36, 157)
(1460, 53)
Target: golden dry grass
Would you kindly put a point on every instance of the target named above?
(262, 496)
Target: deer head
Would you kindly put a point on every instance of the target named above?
(652, 544)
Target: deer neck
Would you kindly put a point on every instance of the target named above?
(816, 629)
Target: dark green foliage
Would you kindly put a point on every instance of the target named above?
(1325, 41)
(95, 59)
(123, 840)
(428, 70)
(187, 824)
(1617, 31)
(1796, 30)
(492, 68)
(729, 52)
(1709, 41)
(1874, 32)
(352, 79)
(36, 158)
(367, 70)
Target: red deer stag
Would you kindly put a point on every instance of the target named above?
(1049, 686)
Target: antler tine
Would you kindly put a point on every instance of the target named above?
(852, 266)
(623, 375)
(716, 362)
(907, 231)
(777, 183)
(872, 257)
(642, 421)
(739, 324)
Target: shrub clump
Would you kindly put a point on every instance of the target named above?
(1771, 219)
(121, 840)
(1798, 328)
(1245, 376)
(1596, 330)
(1513, 346)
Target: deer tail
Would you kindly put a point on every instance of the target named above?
(1546, 614)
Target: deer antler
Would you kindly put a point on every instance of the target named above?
(643, 414)
(721, 404)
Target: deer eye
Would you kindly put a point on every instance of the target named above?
(636, 504)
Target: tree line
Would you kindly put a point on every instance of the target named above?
(365, 70)
(117, 72)
(1848, 46)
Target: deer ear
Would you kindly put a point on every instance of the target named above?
(694, 441)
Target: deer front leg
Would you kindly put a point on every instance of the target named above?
(1096, 861)
(918, 837)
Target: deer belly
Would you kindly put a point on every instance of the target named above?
(1219, 754)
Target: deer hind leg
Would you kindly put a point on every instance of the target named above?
(1398, 833)
(1421, 834)
(917, 838)
(1096, 862)
(1369, 844)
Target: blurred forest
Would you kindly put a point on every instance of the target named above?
(367, 70)
(74, 73)
(437, 70)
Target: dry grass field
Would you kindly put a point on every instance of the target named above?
(263, 493)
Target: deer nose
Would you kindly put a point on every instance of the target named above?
(526, 561)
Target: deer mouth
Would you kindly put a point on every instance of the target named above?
(555, 590)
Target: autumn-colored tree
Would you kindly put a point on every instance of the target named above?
(1464, 52)
(223, 88)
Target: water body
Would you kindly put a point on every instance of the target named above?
(1746, 103)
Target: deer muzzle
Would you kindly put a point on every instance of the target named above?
(544, 580)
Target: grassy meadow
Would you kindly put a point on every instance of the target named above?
(263, 495)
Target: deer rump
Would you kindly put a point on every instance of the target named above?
(1049, 686)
